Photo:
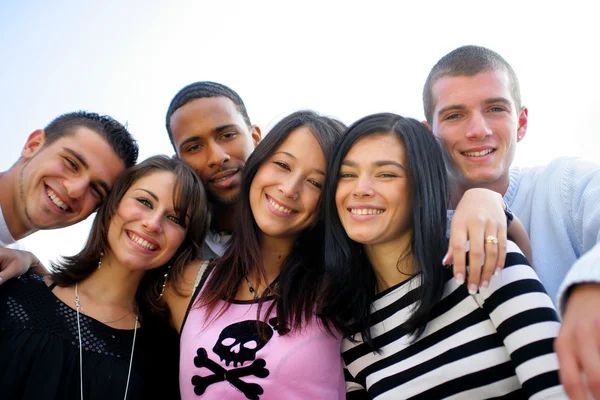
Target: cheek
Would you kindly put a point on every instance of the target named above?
(312, 200)
(340, 196)
(176, 237)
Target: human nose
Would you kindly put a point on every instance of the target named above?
(290, 188)
(478, 128)
(363, 187)
(76, 187)
(217, 156)
(152, 222)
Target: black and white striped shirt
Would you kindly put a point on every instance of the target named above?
(495, 344)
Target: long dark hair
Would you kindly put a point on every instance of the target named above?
(301, 273)
(350, 277)
(190, 201)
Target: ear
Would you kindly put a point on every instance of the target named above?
(427, 125)
(522, 127)
(35, 141)
(256, 134)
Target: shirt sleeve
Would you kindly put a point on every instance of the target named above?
(580, 190)
(527, 322)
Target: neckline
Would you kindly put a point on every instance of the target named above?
(396, 286)
(124, 331)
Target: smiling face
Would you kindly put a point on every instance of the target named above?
(476, 119)
(373, 192)
(286, 188)
(63, 182)
(145, 231)
(211, 136)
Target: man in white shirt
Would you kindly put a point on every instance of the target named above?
(472, 103)
(64, 173)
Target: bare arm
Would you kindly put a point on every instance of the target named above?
(179, 294)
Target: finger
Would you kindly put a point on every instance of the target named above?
(476, 255)
(449, 257)
(458, 243)
(589, 353)
(491, 254)
(502, 247)
(569, 369)
(9, 271)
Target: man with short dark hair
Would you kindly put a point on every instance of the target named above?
(210, 130)
(65, 172)
(472, 103)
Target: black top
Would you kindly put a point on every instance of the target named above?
(39, 348)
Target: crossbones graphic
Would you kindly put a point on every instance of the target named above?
(237, 344)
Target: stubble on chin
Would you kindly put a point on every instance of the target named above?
(223, 201)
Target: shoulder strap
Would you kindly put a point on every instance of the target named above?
(200, 280)
(200, 276)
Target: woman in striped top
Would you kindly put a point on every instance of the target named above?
(413, 332)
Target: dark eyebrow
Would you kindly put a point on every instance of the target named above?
(78, 156)
(381, 163)
(85, 165)
(451, 107)
(188, 140)
(462, 106)
(150, 193)
(294, 157)
(221, 128)
(286, 153)
(218, 129)
(498, 100)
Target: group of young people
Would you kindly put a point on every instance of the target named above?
(316, 262)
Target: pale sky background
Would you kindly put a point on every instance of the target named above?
(342, 58)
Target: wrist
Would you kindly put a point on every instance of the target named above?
(508, 213)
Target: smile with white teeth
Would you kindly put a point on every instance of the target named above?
(279, 207)
(54, 198)
(366, 211)
(144, 243)
(478, 153)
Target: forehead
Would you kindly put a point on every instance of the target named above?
(375, 147)
(200, 117)
(101, 160)
(302, 144)
(465, 90)
(160, 183)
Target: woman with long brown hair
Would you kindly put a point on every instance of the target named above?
(79, 333)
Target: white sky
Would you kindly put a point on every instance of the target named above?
(342, 58)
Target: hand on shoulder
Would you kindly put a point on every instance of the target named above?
(14, 263)
(478, 217)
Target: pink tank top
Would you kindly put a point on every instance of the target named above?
(227, 359)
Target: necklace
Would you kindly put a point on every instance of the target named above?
(268, 290)
(78, 306)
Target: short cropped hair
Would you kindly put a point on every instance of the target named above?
(199, 90)
(468, 61)
(115, 133)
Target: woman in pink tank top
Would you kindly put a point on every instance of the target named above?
(250, 330)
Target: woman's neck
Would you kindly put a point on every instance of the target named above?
(112, 284)
(392, 262)
(274, 251)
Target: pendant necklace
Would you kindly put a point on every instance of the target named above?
(78, 306)
(267, 291)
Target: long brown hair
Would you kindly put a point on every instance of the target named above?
(301, 273)
(190, 201)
